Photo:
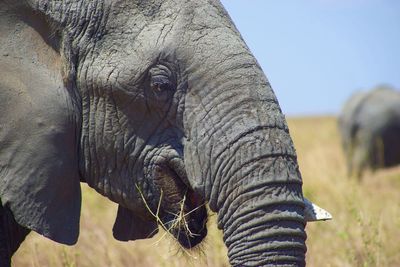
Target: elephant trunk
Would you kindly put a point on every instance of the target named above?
(258, 196)
(261, 212)
(238, 152)
(245, 165)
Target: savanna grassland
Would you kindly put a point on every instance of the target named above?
(365, 230)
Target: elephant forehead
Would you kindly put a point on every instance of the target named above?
(144, 24)
(131, 35)
(124, 57)
(112, 68)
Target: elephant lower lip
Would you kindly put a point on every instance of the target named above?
(189, 242)
(195, 229)
(186, 214)
(188, 226)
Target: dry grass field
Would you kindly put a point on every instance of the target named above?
(365, 230)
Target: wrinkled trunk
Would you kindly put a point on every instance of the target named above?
(241, 159)
(238, 152)
(260, 205)
(244, 164)
(255, 187)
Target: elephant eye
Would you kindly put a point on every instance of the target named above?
(160, 83)
(161, 79)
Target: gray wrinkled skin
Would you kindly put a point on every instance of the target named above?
(370, 129)
(161, 98)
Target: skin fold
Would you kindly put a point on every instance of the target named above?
(157, 105)
(370, 128)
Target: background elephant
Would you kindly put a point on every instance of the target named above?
(157, 105)
(370, 128)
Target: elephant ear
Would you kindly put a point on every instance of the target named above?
(129, 226)
(39, 178)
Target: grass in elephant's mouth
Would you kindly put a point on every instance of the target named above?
(178, 223)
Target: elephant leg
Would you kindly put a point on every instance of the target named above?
(363, 153)
(360, 162)
(349, 159)
(11, 236)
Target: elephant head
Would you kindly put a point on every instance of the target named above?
(158, 105)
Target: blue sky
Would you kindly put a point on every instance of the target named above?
(317, 52)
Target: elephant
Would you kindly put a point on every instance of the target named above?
(369, 124)
(159, 106)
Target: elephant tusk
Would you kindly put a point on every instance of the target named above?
(314, 213)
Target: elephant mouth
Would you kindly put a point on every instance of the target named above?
(189, 225)
(182, 211)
